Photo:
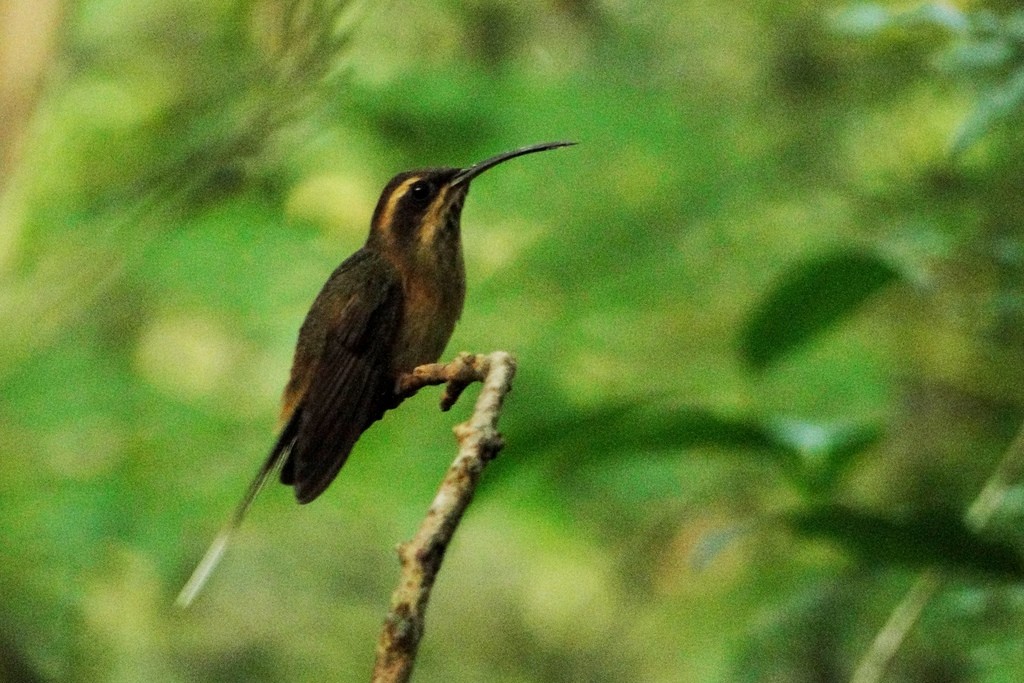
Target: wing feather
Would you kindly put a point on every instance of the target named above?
(341, 383)
(351, 387)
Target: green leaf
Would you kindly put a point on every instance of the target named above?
(976, 56)
(812, 298)
(940, 15)
(701, 428)
(868, 19)
(814, 456)
(863, 19)
(933, 539)
(825, 451)
(618, 426)
(993, 107)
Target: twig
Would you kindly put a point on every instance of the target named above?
(875, 662)
(457, 375)
(888, 640)
(479, 443)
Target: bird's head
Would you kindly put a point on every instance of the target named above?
(417, 216)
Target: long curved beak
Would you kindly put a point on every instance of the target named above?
(467, 174)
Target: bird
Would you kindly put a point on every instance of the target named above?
(387, 309)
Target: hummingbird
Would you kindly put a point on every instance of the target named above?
(387, 309)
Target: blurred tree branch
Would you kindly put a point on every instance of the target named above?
(28, 31)
(876, 661)
(245, 86)
(479, 443)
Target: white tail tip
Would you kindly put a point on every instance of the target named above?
(203, 570)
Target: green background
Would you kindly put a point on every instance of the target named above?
(769, 315)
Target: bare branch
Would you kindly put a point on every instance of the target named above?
(459, 374)
(887, 642)
(479, 443)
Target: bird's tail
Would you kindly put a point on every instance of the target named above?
(216, 550)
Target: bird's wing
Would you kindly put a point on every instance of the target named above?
(344, 385)
(351, 386)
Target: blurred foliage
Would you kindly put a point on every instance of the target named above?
(929, 539)
(769, 314)
(812, 298)
(984, 47)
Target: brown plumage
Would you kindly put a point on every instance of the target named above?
(387, 309)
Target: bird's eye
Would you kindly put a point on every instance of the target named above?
(420, 191)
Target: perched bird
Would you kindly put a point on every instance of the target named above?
(387, 309)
